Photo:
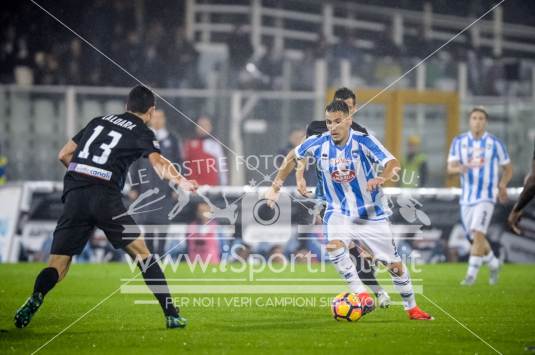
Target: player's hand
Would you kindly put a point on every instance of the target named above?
(272, 196)
(188, 185)
(502, 194)
(373, 184)
(463, 169)
(514, 218)
(302, 188)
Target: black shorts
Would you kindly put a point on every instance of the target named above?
(86, 208)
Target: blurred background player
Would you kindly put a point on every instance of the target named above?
(97, 160)
(204, 159)
(355, 212)
(524, 199)
(414, 165)
(365, 269)
(144, 178)
(475, 156)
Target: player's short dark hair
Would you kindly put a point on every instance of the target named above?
(337, 106)
(344, 94)
(479, 109)
(140, 99)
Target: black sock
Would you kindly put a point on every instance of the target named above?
(46, 280)
(155, 280)
(365, 271)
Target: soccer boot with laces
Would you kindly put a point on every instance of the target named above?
(24, 314)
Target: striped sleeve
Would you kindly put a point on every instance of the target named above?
(503, 155)
(454, 154)
(308, 146)
(377, 151)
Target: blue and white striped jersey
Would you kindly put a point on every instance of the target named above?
(482, 157)
(345, 172)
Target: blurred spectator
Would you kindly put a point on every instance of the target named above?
(240, 48)
(204, 160)
(8, 55)
(47, 70)
(202, 237)
(73, 62)
(129, 52)
(414, 166)
(271, 66)
(3, 166)
(182, 59)
(144, 178)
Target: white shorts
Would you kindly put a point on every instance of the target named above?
(477, 217)
(373, 237)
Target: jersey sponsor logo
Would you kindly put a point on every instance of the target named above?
(343, 175)
(121, 122)
(90, 170)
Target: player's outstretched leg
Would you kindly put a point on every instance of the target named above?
(366, 274)
(45, 281)
(155, 280)
(402, 282)
(341, 259)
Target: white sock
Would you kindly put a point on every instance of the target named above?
(474, 263)
(341, 260)
(403, 285)
(491, 260)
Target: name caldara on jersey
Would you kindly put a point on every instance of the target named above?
(120, 122)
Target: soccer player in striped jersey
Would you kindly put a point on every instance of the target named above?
(356, 211)
(476, 156)
(365, 269)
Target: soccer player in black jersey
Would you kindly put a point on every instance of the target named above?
(364, 268)
(524, 199)
(97, 161)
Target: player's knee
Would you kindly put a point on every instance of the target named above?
(396, 269)
(334, 245)
(138, 248)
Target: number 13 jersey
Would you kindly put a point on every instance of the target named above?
(107, 146)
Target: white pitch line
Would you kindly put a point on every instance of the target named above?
(462, 325)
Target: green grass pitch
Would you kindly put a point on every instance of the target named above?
(502, 315)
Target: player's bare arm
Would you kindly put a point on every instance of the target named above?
(391, 169)
(167, 171)
(300, 179)
(507, 174)
(66, 153)
(285, 169)
(455, 167)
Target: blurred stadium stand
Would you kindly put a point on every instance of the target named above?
(261, 68)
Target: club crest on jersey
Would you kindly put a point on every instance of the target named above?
(343, 175)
